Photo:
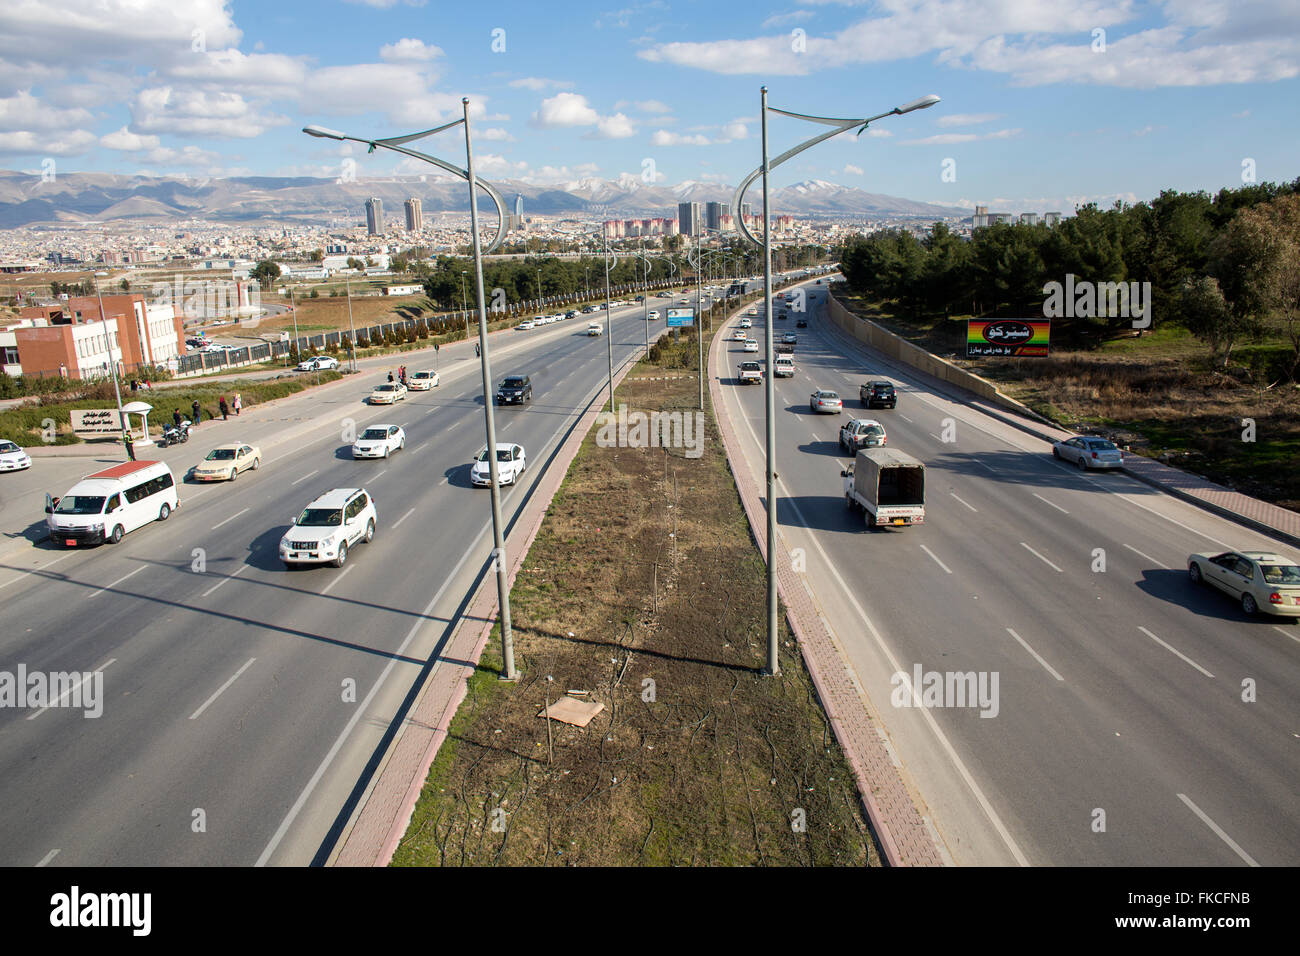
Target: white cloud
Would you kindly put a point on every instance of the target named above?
(946, 139)
(851, 170)
(63, 143)
(26, 112)
(494, 133)
(195, 113)
(408, 50)
(795, 16)
(617, 126)
(967, 119)
(652, 106)
(127, 141)
(564, 109)
(663, 137)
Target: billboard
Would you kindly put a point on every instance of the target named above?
(1014, 337)
(95, 422)
(677, 318)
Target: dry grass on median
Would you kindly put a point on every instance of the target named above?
(643, 571)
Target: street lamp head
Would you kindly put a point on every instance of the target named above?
(323, 132)
(924, 102)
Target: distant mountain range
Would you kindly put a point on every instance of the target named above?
(104, 197)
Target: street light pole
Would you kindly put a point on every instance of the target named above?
(839, 126)
(112, 365)
(464, 304)
(352, 332)
(609, 322)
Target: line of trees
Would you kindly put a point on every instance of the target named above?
(1225, 266)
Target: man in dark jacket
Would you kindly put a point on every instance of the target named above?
(195, 409)
(176, 417)
(225, 409)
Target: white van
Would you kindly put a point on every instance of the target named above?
(106, 505)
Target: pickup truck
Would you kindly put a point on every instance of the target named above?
(783, 366)
(888, 485)
(595, 328)
(750, 372)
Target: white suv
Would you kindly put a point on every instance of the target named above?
(328, 526)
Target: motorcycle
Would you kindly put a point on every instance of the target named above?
(173, 435)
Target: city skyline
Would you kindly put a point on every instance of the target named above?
(1044, 106)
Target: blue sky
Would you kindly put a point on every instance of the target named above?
(1045, 104)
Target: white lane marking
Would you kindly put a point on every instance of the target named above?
(906, 419)
(103, 666)
(1147, 556)
(1048, 667)
(378, 474)
(403, 517)
(236, 573)
(417, 447)
(453, 425)
(936, 559)
(337, 578)
(34, 570)
(1199, 534)
(432, 410)
(935, 437)
(1174, 651)
(1286, 634)
(222, 688)
(1040, 557)
(228, 520)
(116, 583)
(358, 712)
(443, 480)
(925, 714)
(989, 467)
(305, 477)
(1218, 831)
(1046, 502)
(972, 508)
(47, 858)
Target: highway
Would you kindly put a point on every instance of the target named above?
(244, 701)
(1121, 736)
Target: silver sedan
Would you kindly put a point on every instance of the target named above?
(824, 400)
(1089, 451)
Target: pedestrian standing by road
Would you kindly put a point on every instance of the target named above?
(476, 350)
(129, 443)
(239, 403)
(195, 409)
(176, 417)
(390, 377)
(225, 408)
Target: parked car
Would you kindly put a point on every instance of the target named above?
(525, 325)
(571, 314)
(225, 462)
(862, 433)
(317, 363)
(328, 526)
(422, 381)
(824, 400)
(1260, 580)
(13, 458)
(511, 462)
(515, 390)
(1089, 451)
(379, 441)
(879, 394)
(390, 393)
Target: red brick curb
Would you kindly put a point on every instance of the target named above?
(904, 836)
(380, 824)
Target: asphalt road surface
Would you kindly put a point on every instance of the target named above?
(1121, 733)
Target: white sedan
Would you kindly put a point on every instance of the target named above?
(317, 363)
(1089, 451)
(390, 393)
(379, 441)
(751, 345)
(510, 465)
(13, 458)
(422, 381)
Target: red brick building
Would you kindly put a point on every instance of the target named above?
(70, 340)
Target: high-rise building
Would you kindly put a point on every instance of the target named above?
(981, 217)
(414, 215)
(519, 205)
(1029, 219)
(747, 210)
(688, 218)
(1051, 218)
(713, 213)
(374, 216)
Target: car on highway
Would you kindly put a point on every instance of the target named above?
(225, 462)
(783, 366)
(317, 363)
(422, 380)
(515, 390)
(753, 311)
(525, 325)
(739, 335)
(511, 462)
(789, 338)
(389, 393)
(746, 323)
(328, 526)
(801, 324)
(862, 433)
(878, 394)
(751, 345)
(654, 314)
(110, 503)
(595, 328)
(1089, 451)
(379, 441)
(1260, 580)
(13, 458)
(825, 400)
(750, 372)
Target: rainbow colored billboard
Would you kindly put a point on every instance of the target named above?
(1016, 337)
